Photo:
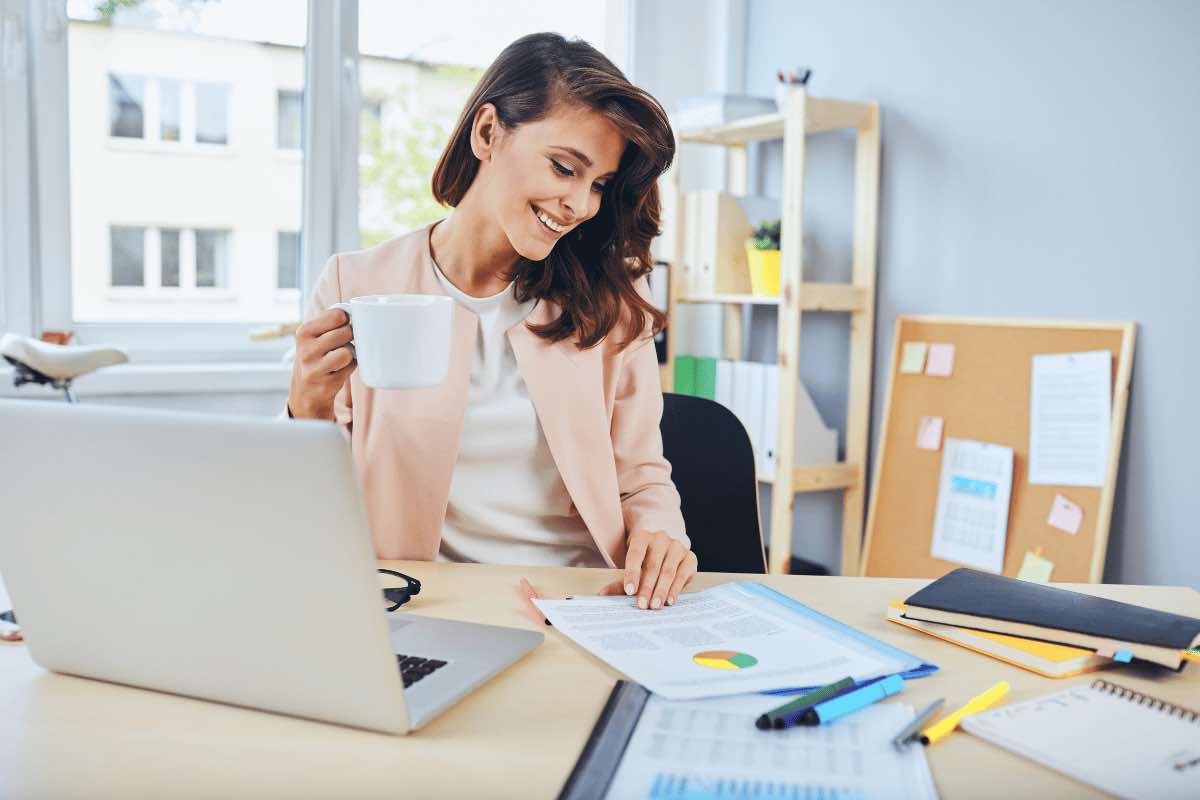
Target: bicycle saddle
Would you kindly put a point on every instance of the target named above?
(57, 361)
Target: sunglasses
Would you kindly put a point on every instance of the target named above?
(396, 596)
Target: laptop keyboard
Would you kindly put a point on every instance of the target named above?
(414, 668)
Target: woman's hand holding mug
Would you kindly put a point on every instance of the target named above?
(324, 361)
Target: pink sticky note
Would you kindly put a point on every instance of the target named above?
(929, 433)
(940, 360)
(1065, 515)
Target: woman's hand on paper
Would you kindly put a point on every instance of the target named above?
(322, 365)
(657, 569)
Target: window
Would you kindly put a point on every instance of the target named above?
(169, 255)
(126, 101)
(169, 117)
(170, 259)
(289, 120)
(212, 257)
(161, 194)
(288, 257)
(183, 159)
(128, 256)
(212, 113)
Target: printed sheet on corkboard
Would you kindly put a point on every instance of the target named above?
(971, 379)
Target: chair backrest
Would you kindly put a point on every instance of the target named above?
(712, 465)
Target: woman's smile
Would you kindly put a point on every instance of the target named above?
(546, 229)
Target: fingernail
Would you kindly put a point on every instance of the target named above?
(641, 602)
(657, 602)
(671, 601)
(630, 588)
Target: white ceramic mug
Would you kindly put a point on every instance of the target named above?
(401, 341)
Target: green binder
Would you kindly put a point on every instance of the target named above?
(706, 378)
(685, 375)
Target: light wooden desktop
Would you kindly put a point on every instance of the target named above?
(516, 737)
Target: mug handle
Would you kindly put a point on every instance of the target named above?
(346, 307)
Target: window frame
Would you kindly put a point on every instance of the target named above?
(35, 270)
(27, 309)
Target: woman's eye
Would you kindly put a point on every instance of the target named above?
(560, 169)
(598, 187)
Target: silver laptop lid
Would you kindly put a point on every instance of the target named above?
(219, 557)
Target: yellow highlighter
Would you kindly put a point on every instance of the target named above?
(980, 702)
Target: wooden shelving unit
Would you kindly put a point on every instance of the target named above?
(803, 115)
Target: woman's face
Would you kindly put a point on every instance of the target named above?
(546, 178)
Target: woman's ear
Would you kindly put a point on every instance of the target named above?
(484, 131)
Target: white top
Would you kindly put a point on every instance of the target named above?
(508, 504)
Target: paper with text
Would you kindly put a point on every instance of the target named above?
(971, 520)
(1069, 418)
(720, 641)
(710, 748)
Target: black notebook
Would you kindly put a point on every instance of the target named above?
(994, 597)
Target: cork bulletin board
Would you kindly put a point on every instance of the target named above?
(986, 398)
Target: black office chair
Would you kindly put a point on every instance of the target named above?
(712, 464)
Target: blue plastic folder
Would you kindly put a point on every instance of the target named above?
(910, 666)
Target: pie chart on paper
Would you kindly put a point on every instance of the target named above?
(724, 659)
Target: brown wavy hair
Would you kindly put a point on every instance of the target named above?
(591, 272)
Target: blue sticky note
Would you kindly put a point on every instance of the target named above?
(1124, 656)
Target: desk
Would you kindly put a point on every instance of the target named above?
(518, 736)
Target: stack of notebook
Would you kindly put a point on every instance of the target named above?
(1050, 631)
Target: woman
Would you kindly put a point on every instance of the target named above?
(542, 446)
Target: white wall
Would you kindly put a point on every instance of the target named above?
(1039, 159)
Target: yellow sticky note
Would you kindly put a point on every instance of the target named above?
(1036, 569)
(912, 358)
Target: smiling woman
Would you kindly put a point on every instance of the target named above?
(543, 445)
(564, 133)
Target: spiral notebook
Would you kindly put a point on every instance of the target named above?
(1118, 740)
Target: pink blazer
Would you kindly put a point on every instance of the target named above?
(599, 408)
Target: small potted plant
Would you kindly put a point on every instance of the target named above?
(762, 255)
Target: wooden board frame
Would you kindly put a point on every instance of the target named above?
(989, 402)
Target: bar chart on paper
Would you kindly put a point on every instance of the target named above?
(671, 786)
(711, 750)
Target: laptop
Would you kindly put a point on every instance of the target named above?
(219, 557)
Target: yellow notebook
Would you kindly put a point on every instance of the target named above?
(1044, 658)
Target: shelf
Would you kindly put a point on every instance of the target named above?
(822, 477)
(813, 297)
(821, 114)
(735, 299)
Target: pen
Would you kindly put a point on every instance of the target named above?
(980, 702)
(850, 702)
(774, 717)
(912, 731)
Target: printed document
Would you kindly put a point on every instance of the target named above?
(1069, 418)
(710, 748)
(971, 521)
(721, 641)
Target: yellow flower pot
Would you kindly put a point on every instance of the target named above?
(764, 271)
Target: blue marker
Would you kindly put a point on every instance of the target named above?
(850, 702)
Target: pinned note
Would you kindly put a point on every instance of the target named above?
(929, 433)
(1035, 568)
(941, 360)
(1124, 656)
(912, 358)
(1065, 515)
